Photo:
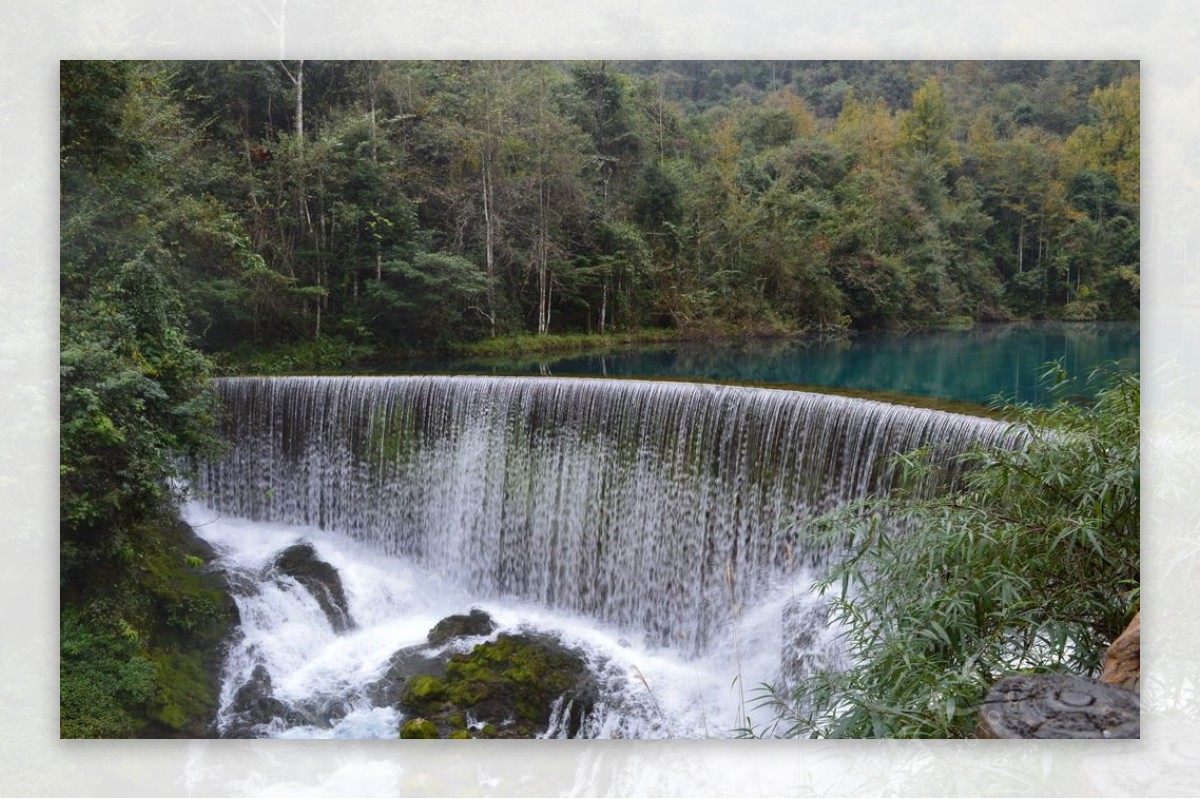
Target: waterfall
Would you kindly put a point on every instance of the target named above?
(650, 506)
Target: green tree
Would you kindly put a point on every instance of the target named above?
(1099, 258)
(1112, 141)
(868, 131)
(1026, 183)
(426, 301)
(603, 111)
(657, 204)
(133, 398)
(926, 130)
(969, 261)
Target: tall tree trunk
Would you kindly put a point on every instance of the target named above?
(489, 257)
(543, 277)
(489, 243)
(543, 287)
(317, 330)
(1021, 247)
(662, 102)
(372, 92)
(603, 304)
(300, 104)
(297, 79)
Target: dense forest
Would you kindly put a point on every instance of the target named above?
(312, 213)
(392, 206)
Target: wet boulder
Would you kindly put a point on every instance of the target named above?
(418, 728)
(405, 664)
(477, 622)
(319, 578)
(507, 688)
(418, 660)
(254, 705)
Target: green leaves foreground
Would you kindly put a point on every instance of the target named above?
(1030, 564)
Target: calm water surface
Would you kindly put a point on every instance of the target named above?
(986, 362)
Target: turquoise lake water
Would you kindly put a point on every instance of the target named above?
(977, 365)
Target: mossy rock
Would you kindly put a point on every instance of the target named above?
(509, 686)
(424, 689)
(528, 673)
(417, 661)
(419, 728)
(477, 622)
(142, 646)
(405, 664)
(184, 700)
(194, 614)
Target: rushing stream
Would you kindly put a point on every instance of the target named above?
(646, 524)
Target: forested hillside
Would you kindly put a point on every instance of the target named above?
(390, 206)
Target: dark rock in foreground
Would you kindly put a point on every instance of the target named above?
(507, 688)
(477, 622)
(254, 705)
(1058, 706)
(300, 562)
(405, 664)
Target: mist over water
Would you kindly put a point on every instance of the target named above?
(646, 524)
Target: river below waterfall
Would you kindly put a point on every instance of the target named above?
(657, 528)
(647, 690)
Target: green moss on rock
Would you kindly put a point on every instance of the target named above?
(424, 689)
(141, 648)
(509, 685)
(419, 728)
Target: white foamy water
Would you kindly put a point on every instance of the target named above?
(647, 690)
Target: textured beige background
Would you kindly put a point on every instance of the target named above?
(34, 35)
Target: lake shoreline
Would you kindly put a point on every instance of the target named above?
(971, 369)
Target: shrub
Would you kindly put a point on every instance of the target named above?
(1030, 564)
(100, 676)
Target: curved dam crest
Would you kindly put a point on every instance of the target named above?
(652, 506)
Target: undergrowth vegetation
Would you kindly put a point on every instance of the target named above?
(141, 618)
(1031, 564)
